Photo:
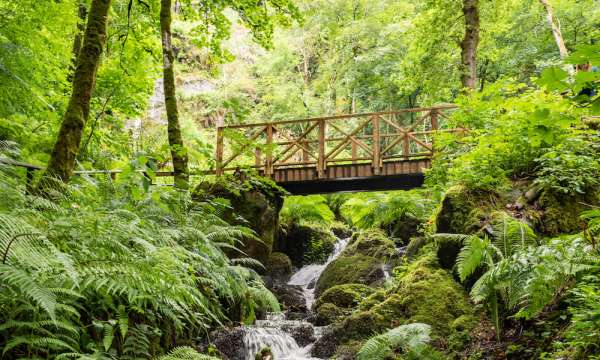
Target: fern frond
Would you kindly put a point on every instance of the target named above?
(404, 337)
(185, 353)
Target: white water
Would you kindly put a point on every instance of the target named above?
(270, 333)
(307, 276)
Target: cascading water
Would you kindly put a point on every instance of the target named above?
(273, 332)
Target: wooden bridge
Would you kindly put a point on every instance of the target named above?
(356, 152)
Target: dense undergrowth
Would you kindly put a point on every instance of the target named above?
(108, 270)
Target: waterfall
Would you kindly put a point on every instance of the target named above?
(307, 276)
(274, 331)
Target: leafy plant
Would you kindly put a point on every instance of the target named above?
(405, 337)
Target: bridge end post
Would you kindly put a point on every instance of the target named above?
(376, 145)
(321, 164)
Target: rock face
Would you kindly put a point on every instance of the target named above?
(303, 333)
(279, 267)
(291, 297)
(229, 342)
(461, 212)
(362, 262)
(255, 203)
(305, 244)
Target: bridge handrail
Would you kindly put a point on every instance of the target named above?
(377, 146)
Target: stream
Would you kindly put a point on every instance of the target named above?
(276, 331)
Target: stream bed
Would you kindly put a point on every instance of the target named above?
(278, 332)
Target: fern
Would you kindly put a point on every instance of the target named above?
(404, 337)
(185, 353)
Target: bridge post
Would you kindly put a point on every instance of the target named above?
(257, 158)
(269, 164)
(376, 145)
(219, 154)
(434, 119)
(321, 157)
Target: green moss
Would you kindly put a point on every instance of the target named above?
(279, 265)
(447, 251)
(461, 211)
(256, 203)
(328, 313)
(373, 243)
(356, 269)
(305, 243)
(345, 296)
(560, 214)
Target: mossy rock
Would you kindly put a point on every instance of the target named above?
(374, 243)
(426, 294)
(462, 211)
(341, 230)
(355, 269)
(255, 203)
(560, 214)
(357, 327)
(305, 243)
(404, 229)
(448, 247)
(345, 296)
(361, 262)
(328, 313)
(279, 266)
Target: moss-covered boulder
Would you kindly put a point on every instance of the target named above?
(362, 262)
(358, 268)
(404, 229)
(255, 202)
(345, 296)
(560, 214)
(305, 243)
(461, 211)
(327, 314)
(279, 266)
(425, 293)
(448, 247)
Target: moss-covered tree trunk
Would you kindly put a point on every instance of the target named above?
(469, 44)
(62, 159)
(178, 150)
(77, 41)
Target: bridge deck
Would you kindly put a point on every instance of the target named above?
(396, 175)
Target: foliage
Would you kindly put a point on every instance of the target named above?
(110, 270)
(405, 337)
(312, 209)
(382, 209)
(185, 353)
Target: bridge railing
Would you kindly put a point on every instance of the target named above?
(372, 138)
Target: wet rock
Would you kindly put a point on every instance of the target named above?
(279, 267)
(229, 342)
(255, 202)
(303, 333)
(291, 297)
(305, 244)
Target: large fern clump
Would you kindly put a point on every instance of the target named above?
(408, 338)
(117, 270)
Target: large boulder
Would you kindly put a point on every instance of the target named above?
(461, 211)
(229, 343)
(426, 294)
(339, 301)
(291, 297)
(305, 243)
(255, 202)
(362, 262)
(279, 267)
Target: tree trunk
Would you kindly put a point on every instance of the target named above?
(469, 44)
(62, 159)
(555, 25)
(81, 15)
(178, 150)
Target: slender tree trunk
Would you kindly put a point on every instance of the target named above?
(81, 15)
(469, 44)
(555, 26)
(557, 33)
(62, 159)
(178, 150)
